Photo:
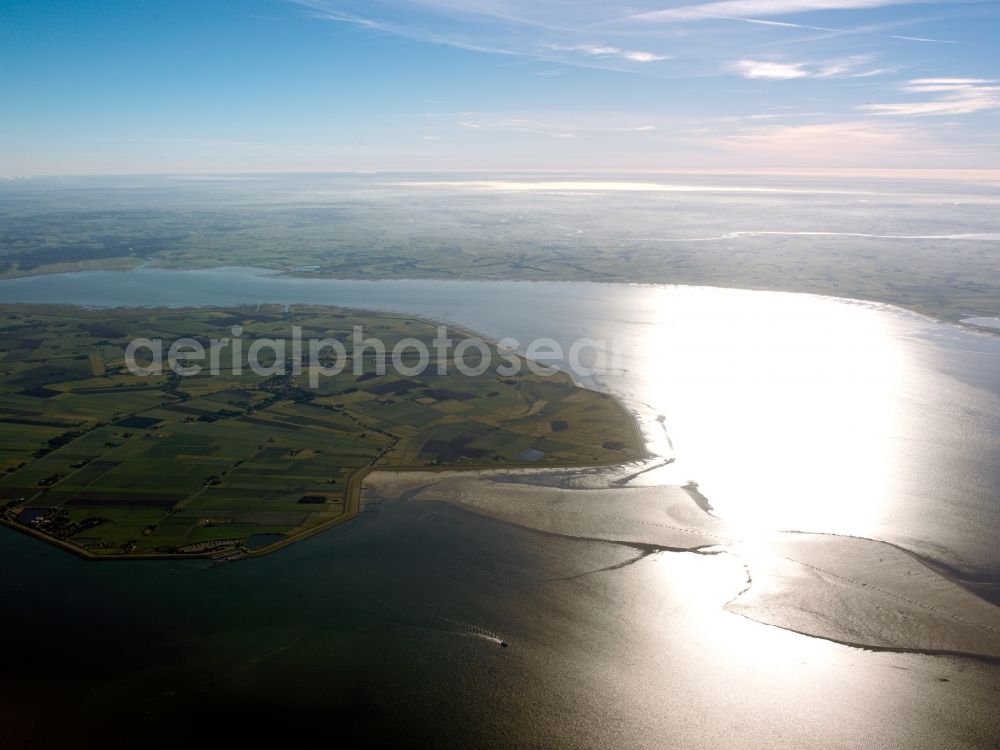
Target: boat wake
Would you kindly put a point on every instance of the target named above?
(437, 624)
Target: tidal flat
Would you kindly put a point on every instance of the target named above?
(859, 592)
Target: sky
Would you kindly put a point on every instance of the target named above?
(137, 86)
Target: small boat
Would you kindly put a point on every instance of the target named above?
(504, 644)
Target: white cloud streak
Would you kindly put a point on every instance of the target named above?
(768, 69)
(953, 96)
(598, 50)
(854, 142)
(556, 127)
(751, 8)
(831, 30)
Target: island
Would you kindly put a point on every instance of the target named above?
(110, 463)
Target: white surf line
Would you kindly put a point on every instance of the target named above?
(983, 237)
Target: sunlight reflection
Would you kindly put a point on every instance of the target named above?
(784, 410)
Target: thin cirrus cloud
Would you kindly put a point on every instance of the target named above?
(519, 29)
(598, 50)
(952, 96)
(753, 8)
(857, 142)
(852, 67)
(563, 31)
(554, 127)
(772, 70)
(837, 31)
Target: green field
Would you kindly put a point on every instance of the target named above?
(110, 463)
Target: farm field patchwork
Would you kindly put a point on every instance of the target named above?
(110, 463)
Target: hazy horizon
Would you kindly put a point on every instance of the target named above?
(914, 174)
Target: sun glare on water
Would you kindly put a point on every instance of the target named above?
(785, 411)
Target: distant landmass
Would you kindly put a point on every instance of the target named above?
(925, 245)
